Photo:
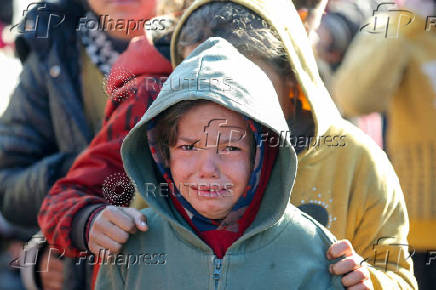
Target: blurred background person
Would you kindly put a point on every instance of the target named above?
(66, 49)
(7, 59)
(393, 69)
(6, 12)
(340, 23)
(12, 238)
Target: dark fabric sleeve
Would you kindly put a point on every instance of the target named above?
(29, 159)
(81, 223)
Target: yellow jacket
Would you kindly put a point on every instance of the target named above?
(344, 180)
(398, 76)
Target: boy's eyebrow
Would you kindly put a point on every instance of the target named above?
(189, 140)
(229, 141)
(222, 140)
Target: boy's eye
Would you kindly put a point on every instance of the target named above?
(187, 147)
(232, 148)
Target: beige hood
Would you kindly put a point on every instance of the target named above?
(283, 17)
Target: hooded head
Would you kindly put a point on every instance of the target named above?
(271, 34)
(213, 134)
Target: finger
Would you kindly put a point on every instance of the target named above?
(355, 277)
(339, 249)
(139, 218)
(121, 219)
(96, 249)
(344, 266)
(107, 243)
(114, 232)
(365, 285)
(101, 253)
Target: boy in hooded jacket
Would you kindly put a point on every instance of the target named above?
(222, 210)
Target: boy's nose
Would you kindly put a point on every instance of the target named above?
(209, 164)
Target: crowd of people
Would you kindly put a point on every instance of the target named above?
(213, 144)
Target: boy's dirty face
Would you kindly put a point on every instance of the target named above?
(210, 162)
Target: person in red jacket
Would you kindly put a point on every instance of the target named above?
(74, 200)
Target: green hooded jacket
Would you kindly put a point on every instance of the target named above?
(283, 247)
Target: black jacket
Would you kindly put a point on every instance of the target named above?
(44, 127)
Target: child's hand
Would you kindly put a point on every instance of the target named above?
(356, 274)
(111, 227)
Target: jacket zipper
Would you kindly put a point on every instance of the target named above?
(217, 271)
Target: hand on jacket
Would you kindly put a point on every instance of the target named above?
(51, 271)
(111, 227)
(355, 274)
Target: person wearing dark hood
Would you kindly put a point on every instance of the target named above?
(58, 106)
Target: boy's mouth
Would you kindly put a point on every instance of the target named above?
(213, 191)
